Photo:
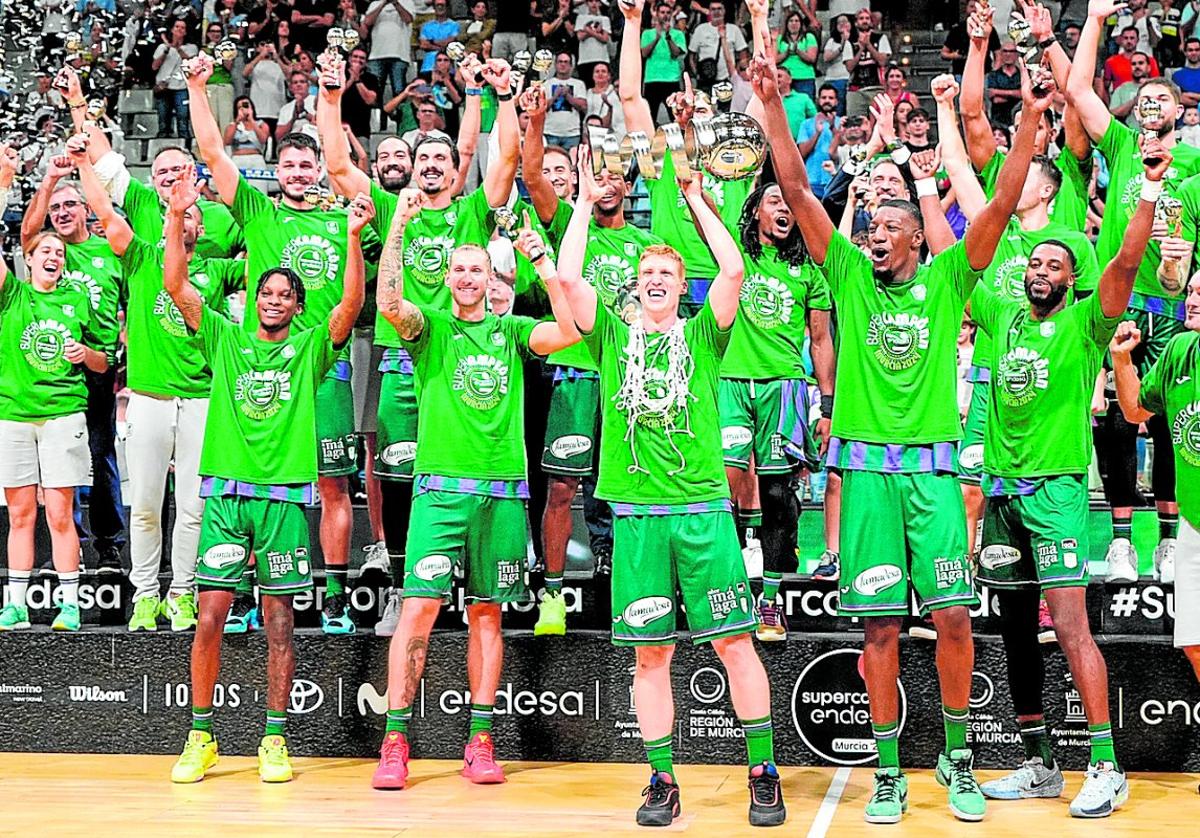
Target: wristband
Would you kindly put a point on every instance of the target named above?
(474, 91)
(1151, 189)
(1049, 42)
(926, 188)
(504, 97)
(82, 103)
(900, 155)
(826, 406)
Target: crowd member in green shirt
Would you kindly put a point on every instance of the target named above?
(796, 50)
(92, 267)
(258, 464)
(1045, 354)
(798, 105)
(48, 339)
(468, 499)
(169, 383)
(663, 48)
(1155, 305)
(902, 516)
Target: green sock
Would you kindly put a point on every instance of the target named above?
(658, 753)
(887, 740)
(1036, 740)
(245, 585)
(1123, 526)
(481, 719)
(202, 718)
(276, 722)
(1168, 524)
(398, 719)
(335, 580)
(955, 722)
(1102, 744)
(760, 740)
(554, 583)
(771, 582)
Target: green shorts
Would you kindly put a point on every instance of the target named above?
(1039, 539)
(970, 448)
(902, 532)
(396, 432)
(573, 425)
(750, 416)
(1157, 330)
(484, 536)
(337, 444)
(697, 553)
(274, 531)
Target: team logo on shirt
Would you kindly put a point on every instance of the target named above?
(1023, 372)
(428, 257)
(43, 342)
(1185, 433)
(1010, 277)
(169, 316)
(482, 380)
(657, 392)
(1133, 189)
(900, 338)
(610, 275)
(767, 301)
(87, 284)
(261, 393)
(314, 259)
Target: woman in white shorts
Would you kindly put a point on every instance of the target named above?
(45, 331)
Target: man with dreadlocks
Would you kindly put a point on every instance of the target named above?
(660, 468)
(764, 385)
(902, 523)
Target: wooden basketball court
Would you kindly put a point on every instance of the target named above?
(131, 795)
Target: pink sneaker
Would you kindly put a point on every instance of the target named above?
(479, 764)
(1046, 633)
(392, 771)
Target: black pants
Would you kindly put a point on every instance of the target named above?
(105, 528)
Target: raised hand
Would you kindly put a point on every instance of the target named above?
(757, 8)
(1126, 339)
(528, 243)
(1156, 158)
(1105, 8)
(762, 79)
(632, 9)
(1037, 99)
(979, 26)
(67, 81)
(332, 77)
(944, 88)
(533, 100)
(589, 189)
(1041, 26)
(408, 203)
(199, 70)
(77, 149)
(59, 167)
(185, 192)
(884, 112)
(361, 211)
(925, 163)
(498, 74)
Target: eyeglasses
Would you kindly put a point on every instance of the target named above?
(66, 205)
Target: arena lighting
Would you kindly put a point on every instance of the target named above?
(906, 44)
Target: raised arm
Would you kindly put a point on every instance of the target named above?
(923, 166)
(223, 172)
(498, 182)
(34, 220)
(341, 319)
(184, 195)
(559, 333)
(580, 295)
(1116, 282)
(727, 287)
(345, 178)
(533, 155)
(1125, 374)
(1081, 94)
(117, 231)
(406, 318)
(629, 83)
(971, 198)
(980, 141)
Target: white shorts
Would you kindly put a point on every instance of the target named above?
(1187, 585)
(52, 454)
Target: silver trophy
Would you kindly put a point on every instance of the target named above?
(722, 92)
(731, 146)
(506, 223)
(94, 115)
(350, 40)
(1170, 211)
(456, 50)
(1149, 111)
(335, 39)
(522, 61)
(225, 51)
(543, 60)
(979, 8)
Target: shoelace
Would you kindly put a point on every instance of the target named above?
(657, 794)
(887, 787)
(393, 755)
(483, 755)
(764, 788)
(769, 615)
(961, 776)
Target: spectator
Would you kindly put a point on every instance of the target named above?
(1117, 70)
(1004, 85)
(603, 100)
(663, 51)
(262, 21)
(557, 31)
(428, 121)
(226, 13)
(1124, 97)
(444, 91)
(267, 73)
(390, 22)
(220, 84)
(708, 42)
(815, 138)
(44, 99)
(594, 31)
(797, 51)
(436, 34)
(313, 19)
(1137, 17)
(916, 130)
(246, 136)
(361, 95)
(957, 42)
(1188, 76)
(865, 56)
(94, 11)
(55, 19)
(481, 27)
(170, 88)
(513, 32)
(836, 73)
(895, 85)
(797, 106)
(1165, 25)
(348, 18)
(567, 99)
(1070, 39)
(1190, 132)
(300, 113)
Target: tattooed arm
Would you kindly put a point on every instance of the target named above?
(406, 318)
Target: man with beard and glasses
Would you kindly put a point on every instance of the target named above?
(443, 222)
(311, 241)
(816, 136)
(1045, 355)
(764, 390)
(902, 516)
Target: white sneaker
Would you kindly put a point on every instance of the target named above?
(377, 558)
(386, 626)
(1104, 791)
(1164, 561)
(1122, 561)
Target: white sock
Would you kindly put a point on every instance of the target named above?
(18, 586)
(68, 585)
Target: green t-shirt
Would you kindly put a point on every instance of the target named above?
(96, 270)
(897, 346)
(1005, 276)
(610, 265)
(1125, 179)
(1171, 388)
(800, 69)
(36, 381)
(1043, 373)
(163, 359)
(222, 236)
(671, 218)
(469, 378)
(660, 443)
(768, 334)
(798, 107)
(661, 66)
(262, 414)
(1069, 207)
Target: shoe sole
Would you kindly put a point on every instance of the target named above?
(1120, 580)
(883, 818)
(1121, 799)
(274, 780)
(57, 627)
(18, 627)
(482, 782)
(768, 818)
(136, 629)
(969, 817)
(338, 631)
(553, 631)
(675, 814)
(203, 774)
(388, 785)
(772, 637)
(386, 631)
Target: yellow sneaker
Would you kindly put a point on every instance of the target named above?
(273, 763)
(199, 755)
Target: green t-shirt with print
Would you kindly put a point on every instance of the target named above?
(96, 270)
(1069, 207)
(1171, 389)
(222, 238)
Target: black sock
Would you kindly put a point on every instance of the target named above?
(396, 508)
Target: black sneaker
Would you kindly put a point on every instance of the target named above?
(766, 796)
(335, 616)
(662, 801)
(110, 561)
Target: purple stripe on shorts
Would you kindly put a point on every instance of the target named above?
(858, 456)
(834, 452)
(893, 458)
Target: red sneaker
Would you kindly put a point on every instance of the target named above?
(1046, 633)
(392, 771)
(479, 763)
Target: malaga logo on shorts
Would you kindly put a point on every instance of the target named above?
(1023, 372)
(767, 301)
(1010, 278)
(314, 259)
(609, 275)
(87, 284)
(899, 338)
(169, 316)
(1185, 433)
(482, 380)
(43, 342)
(428, 257)
(261, 393)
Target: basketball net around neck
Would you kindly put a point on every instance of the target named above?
(634, 400)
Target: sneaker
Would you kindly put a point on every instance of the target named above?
(1032, 779)
(386, 626)
(889, 799)
(47, 568)
(181, 611)
(68, 618)
(955, 773)
(766, 796)
(1122, 561)
(199, 755)
(392, 771)
(1104, 791)
(14, 618)
(110, 561)
(552, 615)
(828, 567)
(145, 613)
(1046, 633)
(772, 625)
(274, 766)
(335, 616)
(923, 629)
(1164, 562)
(377, 559)
(479, 761)
(662, 801)
(243, 616)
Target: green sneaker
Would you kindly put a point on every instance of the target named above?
(67, 619)
(955, 773)
(145, 614)
(199, 755)
(552, 615)
(889, 800)
(274, 766)
(181, 611)
(14, 618)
